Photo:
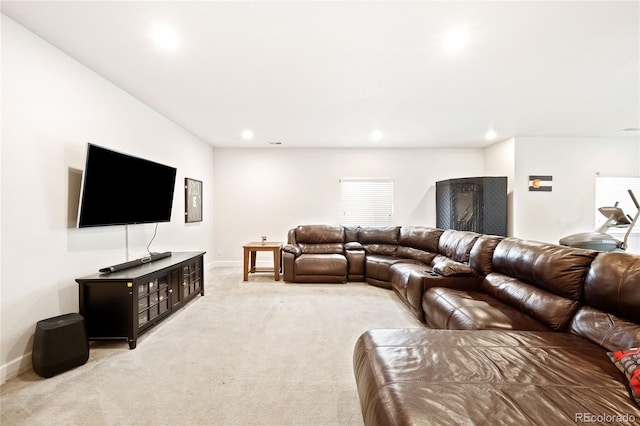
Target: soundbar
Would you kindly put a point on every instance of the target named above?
(126, 265)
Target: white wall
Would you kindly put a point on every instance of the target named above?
(573, 163)
(268, 191)
(499, 160)
(51, 107)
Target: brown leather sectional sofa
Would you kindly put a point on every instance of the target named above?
(517, 332)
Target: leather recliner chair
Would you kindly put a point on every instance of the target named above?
(315, 253)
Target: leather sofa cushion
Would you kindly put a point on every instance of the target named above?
(321, 264)
(457, 245)
(425, 257)
(604, 329)
(327, 248)
(420, 237)
(472, 310)
(560, 270)
(320, 234)
(379, 235)
(377, 266)
(613, 285)
(552, 310)
(449, 377)
(381, 249)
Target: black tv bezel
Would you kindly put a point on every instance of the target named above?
(81, 205)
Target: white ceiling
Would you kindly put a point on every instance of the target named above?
(327, 73)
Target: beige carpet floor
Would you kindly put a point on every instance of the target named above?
(247, 353)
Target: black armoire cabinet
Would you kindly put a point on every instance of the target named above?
(476, 204)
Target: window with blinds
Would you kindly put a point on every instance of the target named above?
(612, 189)
(366, 202)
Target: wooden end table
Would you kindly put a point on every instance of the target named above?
(250, 250)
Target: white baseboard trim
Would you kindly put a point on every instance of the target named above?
(210, 265)
(226, 264)
(14, 368)
(238, 264)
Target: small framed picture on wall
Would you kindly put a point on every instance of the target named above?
(192, 200)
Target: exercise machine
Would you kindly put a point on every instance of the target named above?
(600, 240)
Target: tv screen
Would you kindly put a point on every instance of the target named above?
(119, 189)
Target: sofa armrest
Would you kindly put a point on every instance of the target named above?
(294, 250)
(356, 259)
(451, 268)
(288, 266)
(353, 245)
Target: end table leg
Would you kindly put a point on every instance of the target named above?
(253, 255)
(246, 264)
(276, 264)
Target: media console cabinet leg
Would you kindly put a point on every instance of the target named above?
(122, 305)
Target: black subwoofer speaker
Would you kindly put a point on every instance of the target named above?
(60, 344)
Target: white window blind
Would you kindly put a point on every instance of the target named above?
(612, 189)
(366, 202)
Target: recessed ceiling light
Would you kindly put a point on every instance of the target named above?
(490, 135)
(456, 39)
(376, 135)
(165, 36)
(247, 134)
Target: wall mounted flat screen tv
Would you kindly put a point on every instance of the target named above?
(119, 189)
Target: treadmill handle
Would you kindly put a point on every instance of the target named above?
(633, 197)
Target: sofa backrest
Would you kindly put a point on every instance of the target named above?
(420, 237)
(611, 315)
(481, 255)
(379, 239)
(419, 243)
(542, 280)
(558, 269)
(613, 285)
(351, 234)
(320, 239)
(457, 245)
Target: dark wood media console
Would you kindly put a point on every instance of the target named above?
(124, 304)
